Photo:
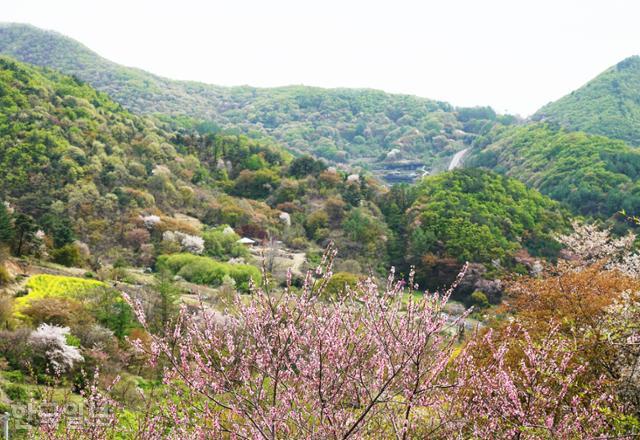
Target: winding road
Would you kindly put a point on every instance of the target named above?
(457, 159)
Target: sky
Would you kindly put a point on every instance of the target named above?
(515, 55)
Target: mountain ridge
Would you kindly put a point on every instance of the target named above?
(352, 126)
(607, 105)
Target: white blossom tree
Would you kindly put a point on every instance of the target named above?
(50, 341)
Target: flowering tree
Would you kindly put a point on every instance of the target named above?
(50, 341)
(591, 245)
(622, 331)
(376, 362)
(94, 418)
(189, 243)
(538, 396)
(288, 365)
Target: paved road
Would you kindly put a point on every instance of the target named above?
(457, 159)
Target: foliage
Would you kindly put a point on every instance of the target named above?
(607, 105)
(6, 311)
(339, 283)
(479, 299)
(472, 215)
(205, 270)
(60, 311)
(367, 233)
(25, 233)
(305, 166)
(79, 301)
(5, 277)
(336, 124)
(255, 184)
(69, 152)
(17, 393)
(165, 304)
(67, 255)
(109, 309)
(6, 228)
(594, 175)
(79, 156)
(222, 243)
(315, 222)
(110, 170)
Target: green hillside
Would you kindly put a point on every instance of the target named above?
(608, 105)
(80, 167)
(475, 215)
(594, 175)
(70, 155)
(394, 134)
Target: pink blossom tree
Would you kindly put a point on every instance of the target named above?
(288, 365)
(95, 418)
(622, 331)
(523, 389)
(373, 363)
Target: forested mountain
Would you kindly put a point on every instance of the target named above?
(395, 134)
(180, 260)
(608, 105)
(78, 166)
(473, 215)
(477, 216)
(594, 175)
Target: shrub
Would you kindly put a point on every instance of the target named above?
(306, 166)
(17, 393)
(479, 299)
(222, 243)
(204, 270)
(67, 255)
(15, 376)
(298, 243)
(57, 311)
(316, 220)
(14, 347)
(255, 184)
(242, 274)
(338, 282)
(6, 310)
(137, 237)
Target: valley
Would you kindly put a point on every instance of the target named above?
(186, 261)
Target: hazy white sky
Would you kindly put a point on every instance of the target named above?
(514, 55)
